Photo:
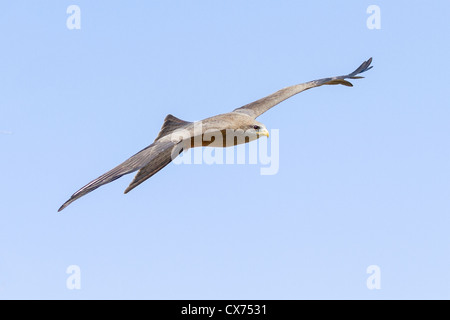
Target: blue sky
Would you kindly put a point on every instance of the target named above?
(364, 175)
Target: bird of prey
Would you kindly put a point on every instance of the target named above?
(177, 135)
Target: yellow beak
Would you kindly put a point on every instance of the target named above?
(263, 132)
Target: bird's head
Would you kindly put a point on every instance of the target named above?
(259, 129)
(246, 131)
(237, 128)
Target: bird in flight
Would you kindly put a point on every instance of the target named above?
(223, 130)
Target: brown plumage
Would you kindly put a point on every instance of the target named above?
(229, 129)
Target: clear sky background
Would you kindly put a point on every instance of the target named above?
(364, 175)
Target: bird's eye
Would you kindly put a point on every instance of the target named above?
(256, 127)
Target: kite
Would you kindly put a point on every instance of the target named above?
(223, 130)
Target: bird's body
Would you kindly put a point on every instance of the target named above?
(223, 130)
(234, 129)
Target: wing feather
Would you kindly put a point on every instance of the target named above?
(258, 107)
(136, 162)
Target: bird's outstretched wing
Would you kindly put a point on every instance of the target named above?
(148, 161)
(258, 107)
